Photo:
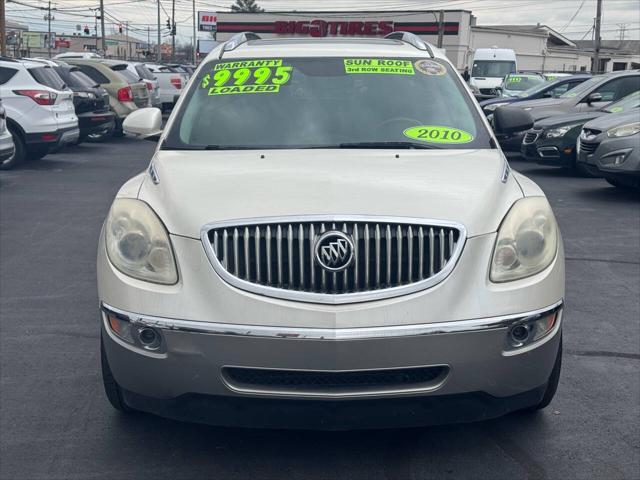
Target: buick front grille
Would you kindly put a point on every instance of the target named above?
(358, 259)
(355, 382)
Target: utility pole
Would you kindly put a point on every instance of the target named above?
(3, 31)
(173, 30)
(440, 28)
(596, 54)
(195, 41)
(159, 54)
(128, 53)
(104, 45)
(49, 29)
(95, 14)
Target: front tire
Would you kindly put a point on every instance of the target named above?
(111, 387)
(552, 384)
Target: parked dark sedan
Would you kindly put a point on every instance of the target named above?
(552, 141)
(609, 147)
(91, 102)
(545, 90)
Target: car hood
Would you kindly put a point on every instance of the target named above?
(611, 120)
(569, 119)
(540, 102)
(199, 187)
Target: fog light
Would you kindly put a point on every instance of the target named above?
(131, 331)
(519, 334)
(530, 330)
(567, 150)
(619, 160)
(149, 338)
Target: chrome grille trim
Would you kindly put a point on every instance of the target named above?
(438, 245)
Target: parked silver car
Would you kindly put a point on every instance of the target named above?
(590, 95)
(609, 147)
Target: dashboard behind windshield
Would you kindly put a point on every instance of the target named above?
(327, 103)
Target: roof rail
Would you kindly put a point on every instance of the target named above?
(237, 40)
(8, 59)
(411, 39)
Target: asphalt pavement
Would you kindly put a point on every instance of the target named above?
(55, 421)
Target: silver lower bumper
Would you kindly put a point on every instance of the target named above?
(195, 355)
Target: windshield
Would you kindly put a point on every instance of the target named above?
(582, 88)
(624, 104)
(492, 68)
(519, 83)
(327, 103)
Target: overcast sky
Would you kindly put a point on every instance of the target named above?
(574, 18)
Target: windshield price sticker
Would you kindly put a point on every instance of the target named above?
(514, 79)
(438, 134)
(378, 65)
(247, 76)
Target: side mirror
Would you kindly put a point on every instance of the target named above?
(594, 97)
(548, 94)
(144, 124)
(507, 120)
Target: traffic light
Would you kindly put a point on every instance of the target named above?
(173, 30)
(120, 28)
(86, 30)
(168, 24)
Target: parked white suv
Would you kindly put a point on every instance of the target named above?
(171, 84)
(39, 109)
(329, 236)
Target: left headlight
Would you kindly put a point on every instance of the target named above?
(624, 130)
(138, 243)
(560, 131)
(527, 241)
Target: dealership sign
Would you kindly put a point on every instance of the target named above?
(332, 27)
(207, 21)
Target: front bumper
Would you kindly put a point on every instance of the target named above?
(480, 378)
(95, 122)
(605, 160)
(558, 152)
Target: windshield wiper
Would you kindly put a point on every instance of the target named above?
(392, 145)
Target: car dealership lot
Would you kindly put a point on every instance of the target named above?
(56, 422)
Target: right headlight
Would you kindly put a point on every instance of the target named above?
(624, 130)
(527, 241)
(138, 244)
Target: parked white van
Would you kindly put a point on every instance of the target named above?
(490, 65)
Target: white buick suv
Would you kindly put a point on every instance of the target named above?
(329, 236)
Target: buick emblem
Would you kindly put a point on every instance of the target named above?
(334, 251)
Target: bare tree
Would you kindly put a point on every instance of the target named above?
(246, 6)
